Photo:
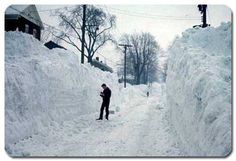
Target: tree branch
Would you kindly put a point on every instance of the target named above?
(69, 42)
(74, 29)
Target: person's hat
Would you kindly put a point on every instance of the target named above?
(103, 85)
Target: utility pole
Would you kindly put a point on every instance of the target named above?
(83, 34)
(202, 8)
(125, 46)
(147, 75)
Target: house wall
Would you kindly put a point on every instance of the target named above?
(12, 24)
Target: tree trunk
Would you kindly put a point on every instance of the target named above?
(138, 79)
(144, 78)
(90, 59)
(137, 75)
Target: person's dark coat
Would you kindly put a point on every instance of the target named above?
(106, 95)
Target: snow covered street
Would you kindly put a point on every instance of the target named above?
(141, 130)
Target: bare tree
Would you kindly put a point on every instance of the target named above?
(97, 28)
(48, 34)
(142, 57)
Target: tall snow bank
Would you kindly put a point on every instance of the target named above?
(199, 90)
(43, 86)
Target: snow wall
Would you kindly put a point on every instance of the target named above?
(199, 90)
(43, 86)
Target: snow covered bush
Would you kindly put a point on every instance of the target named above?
(199, 90)
(43, 86)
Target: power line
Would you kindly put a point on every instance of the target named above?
(128, 13)
(47, 10)
(136, 14)
(154, 15)
(54, 9)
(157, 18)
(145, 15)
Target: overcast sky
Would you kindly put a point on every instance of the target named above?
(164, 22)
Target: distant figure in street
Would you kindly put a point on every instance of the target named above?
(147, 94)
(106, 94)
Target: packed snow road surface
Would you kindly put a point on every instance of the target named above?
(139, 129)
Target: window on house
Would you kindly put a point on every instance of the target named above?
(35, 33)
(26, 28)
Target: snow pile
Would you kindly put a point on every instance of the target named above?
(131, 95)
(43, 86)
(199, 90)
(140, 130)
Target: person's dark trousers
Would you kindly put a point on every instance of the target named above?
(105, 104)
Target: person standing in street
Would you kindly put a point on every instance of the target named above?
(106, 95)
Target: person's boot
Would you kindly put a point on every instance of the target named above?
(107, 117)
(99, 119)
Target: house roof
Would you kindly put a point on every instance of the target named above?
(101, 65)
(29, 12)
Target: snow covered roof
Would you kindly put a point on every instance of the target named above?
(29, 12)
(17, 8)
(101, 65)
